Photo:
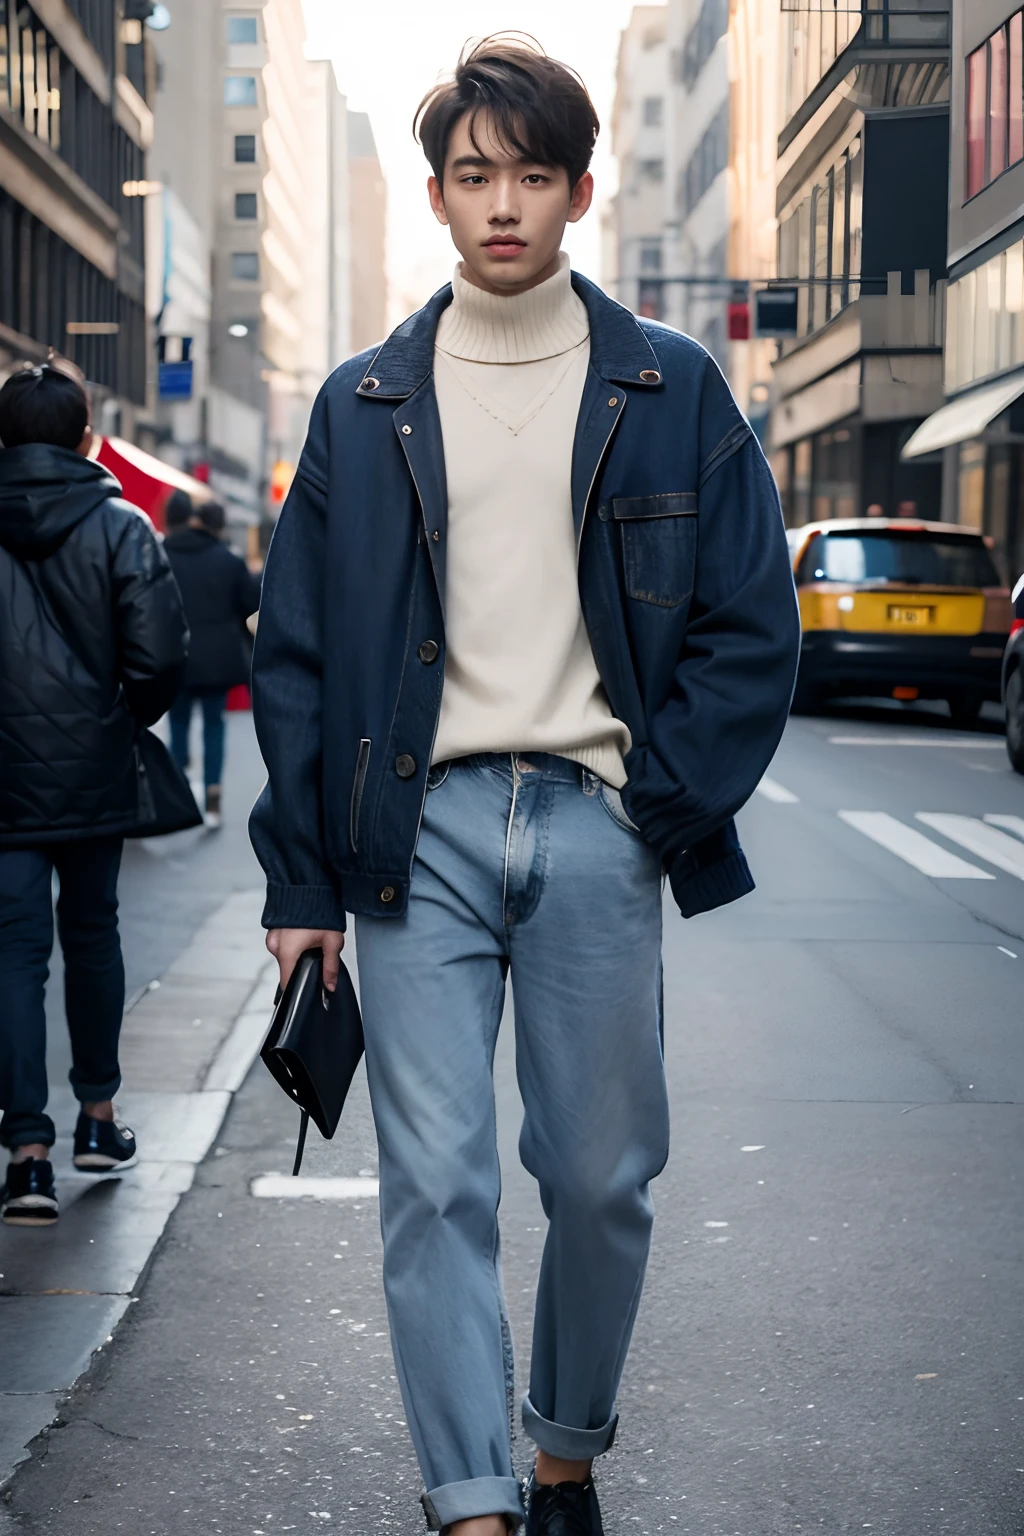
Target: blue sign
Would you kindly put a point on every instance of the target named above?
(175, 381)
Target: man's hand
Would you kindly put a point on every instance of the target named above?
(287, 944)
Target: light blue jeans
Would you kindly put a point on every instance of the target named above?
(528, 863)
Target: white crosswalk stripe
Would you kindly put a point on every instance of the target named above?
(986, 841)
(773, 790)
(912, 846)
(1011, 823)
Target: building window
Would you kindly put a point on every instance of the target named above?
(240, 91)
(654, 111)
(821, 240)
(242, 29)
(708, 160)
(995, 106)
(245, 149)
(649, 301)
(245, 205)
(650, 258)
(652, 170)
(245, 266)
(702, 39)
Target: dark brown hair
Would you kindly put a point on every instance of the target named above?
(539, 109)
(44, 403)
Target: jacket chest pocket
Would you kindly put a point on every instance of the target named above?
(659, 546)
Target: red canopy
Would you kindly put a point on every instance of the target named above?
(145, 480)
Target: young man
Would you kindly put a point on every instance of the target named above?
(527, 640)
(92, 646)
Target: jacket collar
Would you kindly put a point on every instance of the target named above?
(619, 348)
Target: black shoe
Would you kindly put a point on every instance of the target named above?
(28, 1197)
(562, 1509)
(103, 1145)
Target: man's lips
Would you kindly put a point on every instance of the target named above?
(504, 245)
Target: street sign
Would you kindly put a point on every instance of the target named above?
(174, 381)
(775, 310)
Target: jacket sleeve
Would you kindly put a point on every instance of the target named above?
(286, 825)
(712, 740)
(152, 633)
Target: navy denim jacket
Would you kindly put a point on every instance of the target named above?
(684, 580)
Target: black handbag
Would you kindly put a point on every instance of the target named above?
(166, 803)
(314, 1045)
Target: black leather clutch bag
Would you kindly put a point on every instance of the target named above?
(314, 1044)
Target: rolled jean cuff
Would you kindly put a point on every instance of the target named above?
(566, 1443)
(469, 1500)
(94, 1093)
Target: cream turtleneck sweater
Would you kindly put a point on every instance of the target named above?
(520, 674)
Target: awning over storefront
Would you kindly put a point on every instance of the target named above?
(145, 480)
(964, 417)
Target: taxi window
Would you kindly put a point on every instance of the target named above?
(916, 559)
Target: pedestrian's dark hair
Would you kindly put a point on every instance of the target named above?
(178, 509)
(213, 516)
(539, 109)
(44, 403)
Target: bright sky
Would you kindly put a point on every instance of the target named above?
(388, 53)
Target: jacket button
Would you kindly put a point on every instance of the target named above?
(614, 400)
(435, 536)
(405, 766)
(388, 893)
(428, 652)
(650, 376)
(370, 384)
(407, 430)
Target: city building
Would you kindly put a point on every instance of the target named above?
(76, 83)
(262, 175)
(861, 202)
(634, 222)
(977, 437)
(697, 203)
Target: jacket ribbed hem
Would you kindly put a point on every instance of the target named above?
(699, 890)
(303, 906)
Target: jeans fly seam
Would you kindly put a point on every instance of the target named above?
(508, 842)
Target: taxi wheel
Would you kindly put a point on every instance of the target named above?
(964, 708)
(1015, 719)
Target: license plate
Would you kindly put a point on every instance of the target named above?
(910, 615)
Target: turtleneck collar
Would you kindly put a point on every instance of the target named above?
(546, 321)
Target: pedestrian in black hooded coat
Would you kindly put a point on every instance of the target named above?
(219, 594)
(92, 649)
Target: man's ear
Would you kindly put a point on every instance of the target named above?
(437, 200)
(582, 197)
(85, 446)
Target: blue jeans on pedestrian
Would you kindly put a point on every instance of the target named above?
(213, 702)
(93, 977)
(525, 864)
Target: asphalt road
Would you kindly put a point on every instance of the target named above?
(831, 1333)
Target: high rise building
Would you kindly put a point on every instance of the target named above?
(261, 256)
(635, 220)
(75, 122)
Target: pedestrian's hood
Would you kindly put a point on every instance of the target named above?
(45, 492)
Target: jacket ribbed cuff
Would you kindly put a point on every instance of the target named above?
(303, 906)
(698, 889)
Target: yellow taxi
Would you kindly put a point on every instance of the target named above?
(901, 609)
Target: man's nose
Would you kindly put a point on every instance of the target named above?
(505, 207)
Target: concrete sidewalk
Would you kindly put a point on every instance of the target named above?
(186, 1047)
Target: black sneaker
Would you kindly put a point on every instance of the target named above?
(562, 1509)
(103, 1145)
(28, 1197)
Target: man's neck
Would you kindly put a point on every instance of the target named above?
(510, 290)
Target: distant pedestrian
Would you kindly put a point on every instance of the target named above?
(527, 643)
(876, 509)
(219, 593)
(92, 648)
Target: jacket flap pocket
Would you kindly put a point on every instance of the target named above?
(671, 504)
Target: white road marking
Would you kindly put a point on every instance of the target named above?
(279, 1186)
(912, 846)
(1004, 951)
(1009, 823)
(753, 1149)
(983, 744)
(772, 790)
(987, 842)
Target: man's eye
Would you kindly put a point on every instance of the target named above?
(535, 179)
(473, 181)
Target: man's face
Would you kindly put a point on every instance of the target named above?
(506, 215)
